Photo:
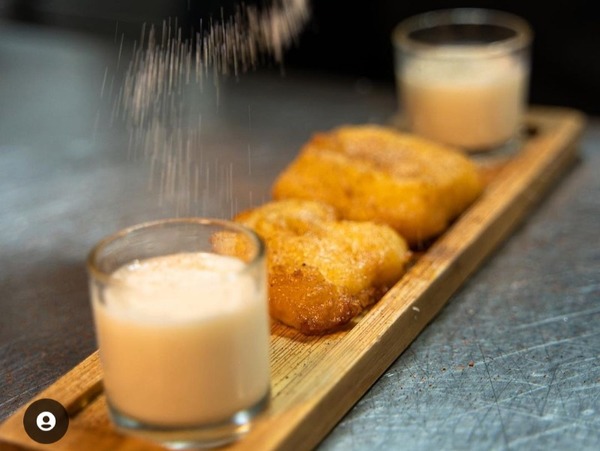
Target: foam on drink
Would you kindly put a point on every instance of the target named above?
(178, 339)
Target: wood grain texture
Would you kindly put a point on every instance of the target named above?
(316, 380)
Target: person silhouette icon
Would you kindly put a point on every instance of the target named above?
(46, 421)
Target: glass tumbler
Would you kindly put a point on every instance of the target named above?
(463, 76)
(181, 316)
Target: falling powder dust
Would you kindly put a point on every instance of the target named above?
(154, 103)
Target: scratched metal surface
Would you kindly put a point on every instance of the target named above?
(511, 363)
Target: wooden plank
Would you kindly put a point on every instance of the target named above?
(316, 380)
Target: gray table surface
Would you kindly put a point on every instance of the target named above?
(512, 362)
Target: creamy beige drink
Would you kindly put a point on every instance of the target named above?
(475, 103)
(183, 339)
(463, 75)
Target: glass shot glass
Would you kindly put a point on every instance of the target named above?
(181, 317)
(463, 76)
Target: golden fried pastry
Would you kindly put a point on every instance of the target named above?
(374, 173)
(323, 272)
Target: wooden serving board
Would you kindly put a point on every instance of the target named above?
(316, 380)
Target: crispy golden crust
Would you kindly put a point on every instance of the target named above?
(323, 272)
(374, 173)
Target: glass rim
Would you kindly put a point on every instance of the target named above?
(93, 256)
(463, 16)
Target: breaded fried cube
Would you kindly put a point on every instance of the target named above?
(324, 272)
(375, 173)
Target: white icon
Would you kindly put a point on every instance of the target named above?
(46, 421)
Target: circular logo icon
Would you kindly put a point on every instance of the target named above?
(46, 421)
